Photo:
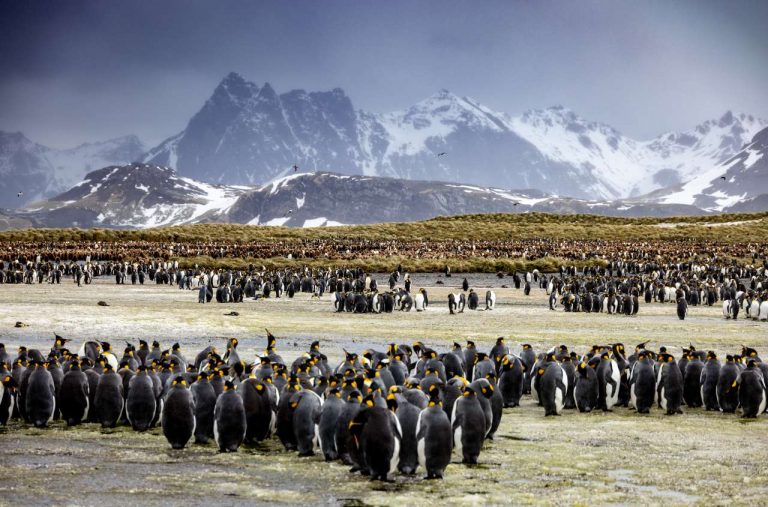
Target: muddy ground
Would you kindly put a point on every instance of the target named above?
(613, 458)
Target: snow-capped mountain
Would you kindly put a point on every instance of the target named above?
(246, 134)
(135, 195)
(143, 195)
(738, 184)
(37, 171)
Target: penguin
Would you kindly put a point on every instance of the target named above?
(511, 381)
(284, 424)
(106, 351)
(472, 300)
(343, 435)
(378, 432)
(8, 388)
(568, 367)
(498, 352)
(682, 308)
(642, 383)
(709, 377)
(408, 416)
(178, 417)
(586, 390)
(468, 426)
(73, 396)
(108, 402)
(333, 408)
(141, 403)
(470, 357)
(490, 300)
(497, 406)
(421, 301)
(609, 378)
(669, 385)
(452, 303)
(465, 285)
(483, 366)
(229, 423)
(751, 389)
(552, 387)
(727, 394)
(433, 437)
(307, 406)
(205, 402)
(40, 396)
(528, 359)
(259, 417)
(692, 382)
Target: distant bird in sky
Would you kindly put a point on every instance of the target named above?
(295, 168)
(722, 178)
(442, 153)
(515, 203)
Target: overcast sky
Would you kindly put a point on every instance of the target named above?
(75, 71)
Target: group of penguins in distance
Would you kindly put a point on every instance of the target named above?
(359, 299)
(377, 412)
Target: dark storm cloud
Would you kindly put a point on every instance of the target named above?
(83, 70)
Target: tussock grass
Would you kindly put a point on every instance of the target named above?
(496, 226)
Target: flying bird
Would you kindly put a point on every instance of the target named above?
(442, 153)
(295, 168)
(722, 178)
(515, 203)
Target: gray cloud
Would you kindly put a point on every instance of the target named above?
(86, 70)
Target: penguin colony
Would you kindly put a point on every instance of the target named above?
(407, 409)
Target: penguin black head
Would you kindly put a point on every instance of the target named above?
(176, 347)
(179, 381)
(143, 345)
(751, 364)
(229, 385)
(480, 356)
(155, 344)
(108, 368)
(368, 401)
(355, 396)
(729, 358)
(142, 369)
(315, 345)
(392, 402)
(333, 392)
(666, 358)
(500, 340)
(527, 346)
(748, 352)
(551, 357)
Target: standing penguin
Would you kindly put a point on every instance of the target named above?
(205, 402)
(178, 418)
(692, 382)
(709, 377)
(141, 403)
(669, 385)
(751, 388)
(511, 381)
(40, 396)
(73, 396)
(378, 432)
(333, 408)
(108, 402)
(7, 398)
(642, 383)
(408, 416)
(468, 425)
(682, 308)
(229, 419)
(259, 417)
(433, 437)
(727, 394)
(465, 285)
(586, 390)
(609, 378)
(307, 406)
(552, 387)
